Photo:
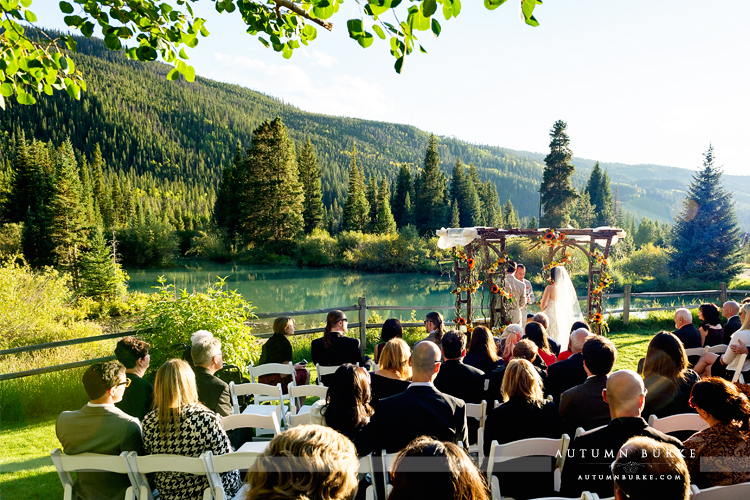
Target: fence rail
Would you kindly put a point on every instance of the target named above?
(361, 307)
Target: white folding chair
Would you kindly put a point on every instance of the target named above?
(260, 423)
(696, 351)
(142, 465)
(584, 496)
(732, 492)
(219, 464)
(675, 423)
(738, 373)
(366, 467)
(387, 467)
(581, 431)
(65, 464)
(718, 349)
(270, 369)
(299, 391)
(255, 389)
(325, 370)
(479, 412)
(526, 448)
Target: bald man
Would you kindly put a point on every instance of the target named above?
(591, 454)
(421, 410)
(686, 330)
(730, 310)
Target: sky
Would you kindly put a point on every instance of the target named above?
(641, 81)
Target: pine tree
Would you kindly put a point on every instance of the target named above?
(97, 183)
(226, 215)
(336, 214)
(706, 234)
(100, 274)
(557, 192)
(373, 199)
(430, 194)
(455, 215)
(606, 213)
(385, 223)
(583, 212)
(510, 216)
(407, 216)
(310, 176)
(491, 213)
(533, 224)
(464, 195)
(21, 190)
(356, 207)
(404, 187)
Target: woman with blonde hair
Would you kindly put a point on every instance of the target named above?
(305, 462)
(394, 371)
(512, 334)
(529, 415)
(712, 365)
(278, 349)
(452, 475)
(180, 425)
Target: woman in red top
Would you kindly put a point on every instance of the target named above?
(538, 334)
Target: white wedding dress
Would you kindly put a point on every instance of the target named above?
(564, 310)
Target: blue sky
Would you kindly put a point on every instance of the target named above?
(638, 82)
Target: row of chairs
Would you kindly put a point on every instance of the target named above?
(719, 349)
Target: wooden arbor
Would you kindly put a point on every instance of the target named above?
(490, 243)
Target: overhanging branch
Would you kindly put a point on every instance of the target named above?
(303, 13)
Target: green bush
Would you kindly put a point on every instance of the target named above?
(649, 260)
(317, 249)
(10, 238)
(152, 243)
(210, 244)
(171, 318)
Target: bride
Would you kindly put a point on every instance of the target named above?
(560, 304)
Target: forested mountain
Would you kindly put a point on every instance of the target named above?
(170, 141)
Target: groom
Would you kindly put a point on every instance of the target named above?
(517, 289)
(520, 276)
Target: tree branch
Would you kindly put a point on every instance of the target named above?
(303, 13)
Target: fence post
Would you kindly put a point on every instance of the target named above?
(362, 303)
(626, 305)
(723, 291)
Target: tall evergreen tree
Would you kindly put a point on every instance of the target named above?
(491, 212)
(706, 234)
(455, 215)
(510, 216)
(97, 182)
(356, 208)
(533, 224)
(22, 187)
(100, 275)
(407, 216)
(557, 191)
(310, 176)
(336, 214)
(404, 187)
(605, 216)
(225, 209)
(385, 223)
(431, 212)
(374, 201)
(583, 212)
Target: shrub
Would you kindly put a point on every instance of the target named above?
(152, 243)
(649, 260)
(10, 238)
(210, 244)
(317, 249)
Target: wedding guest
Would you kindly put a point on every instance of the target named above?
(543, 320)
(305, 462)
(346, 408)
(482, 353)
(731, 310)
(278, 349)
(394, 372)
(538, 334)
(568, 353)
(335, 348)
(563, 375)
(725, 366)
(132, 352)
(686, 331)
(512, 335)
(180, 425)
(451, 475)
(391, 329)
(711, 330)
(524, 349)
(667, 377)
(208, 359)
(719, 455)
(435, 326)
(654, 462)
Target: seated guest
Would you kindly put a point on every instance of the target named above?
(731, 310)
(538, 334)
(100, 427)
(564, 375)
(180, 425)
(667, 377)
(591, 454)
(654, 462)
(393, 373)
(139, 394)
(459, 379)
(711, 330)
(482, 351)
(524, 349)
(451, 474)
(524, 414)
(719, 455)
(278, 349)
(685, 330)
(568, 353)
(725, 366)
(335, 348)
(305, 462)
(213, 392)
(543, 320)
(187, 354)
(435, 326)
(421, 410)
(511, 335)
(529, 318)
(391, 330)
(346, 408)
(583, 405)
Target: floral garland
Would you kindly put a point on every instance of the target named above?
(547, 269)
(550, 238)
(470, 285)
(605, 281)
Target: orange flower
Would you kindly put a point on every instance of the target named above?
(549, 235)
(470, 262)
(561, 237)
(495, 289)
(462, 321)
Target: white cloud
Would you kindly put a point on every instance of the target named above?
(322, 59)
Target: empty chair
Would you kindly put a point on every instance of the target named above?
(219, 464)
(675, 423)
(269, 423)
(732, 492)
(303, 391)
(149, 464)
(65, 464)
(479, 412)
(271, 391)
(256, 372)
(326, 370)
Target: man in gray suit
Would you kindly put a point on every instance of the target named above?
(517, 289)
(100, 427)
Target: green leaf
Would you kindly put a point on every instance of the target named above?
(286, 53)
(173, 75)
(26, 3)
(71, 66)
(421, 49)
(366, 40)
(73, 21)
(355, 27)
(204, 31)
(48, 89)
(493, 4)
(87, 29)
(189, 74)
(399, 64)
(378, 31)
(30, 16)
(379, 6)
(6, 89)
(436, 27)
(309, 32)
(456, 8)
(263, 41)
(65, 7)
(447, 9)
(531, 21)
(2, 102)
(24, 98)
(183, 55)
(73, 90)
(428, 8)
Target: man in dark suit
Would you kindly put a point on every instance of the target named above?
(730, 310)
(563, 375)
(587, 464)
(458, 379)
(100, 427)
(139, 395)
(421, 410)
(213, 392)
(686, 331)
(584, 405)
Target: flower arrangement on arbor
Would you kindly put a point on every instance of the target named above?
(549, 238)
(468, 284)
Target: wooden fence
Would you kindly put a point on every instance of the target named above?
(361, 307)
